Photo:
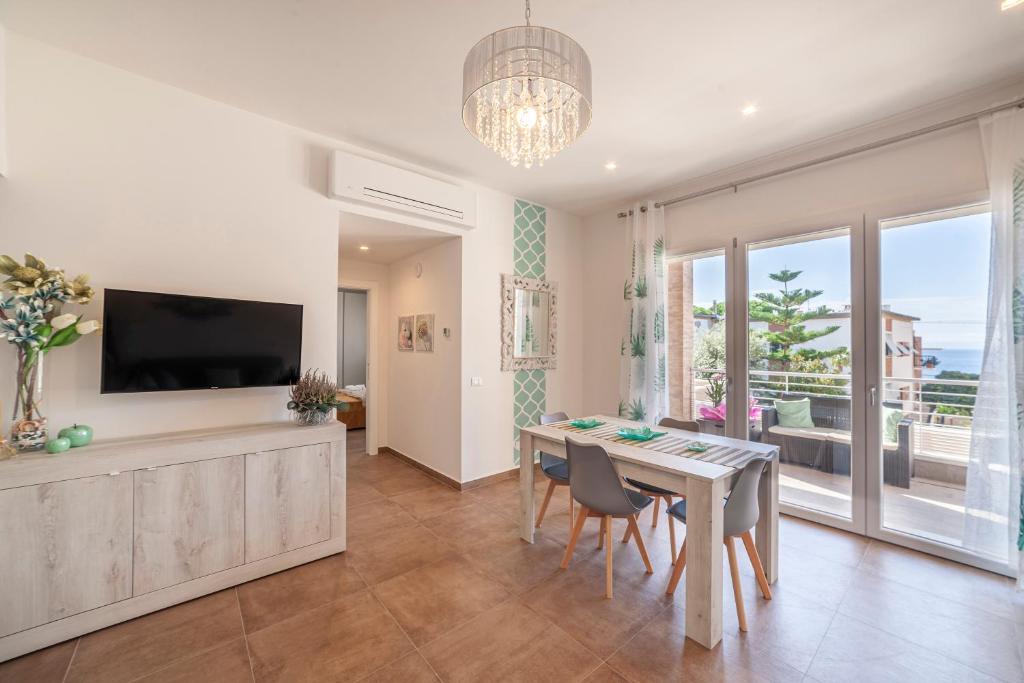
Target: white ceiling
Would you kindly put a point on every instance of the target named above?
(669, 75)
(387, 241)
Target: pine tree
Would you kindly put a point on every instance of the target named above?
(785, 313)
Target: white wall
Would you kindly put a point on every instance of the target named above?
(424, 397)
(933, 172)
(148, 187)
(487, 435)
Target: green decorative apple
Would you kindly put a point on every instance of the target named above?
(78, 435)
(58, 445)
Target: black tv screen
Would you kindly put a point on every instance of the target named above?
(171, 342)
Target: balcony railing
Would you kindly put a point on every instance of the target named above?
(941, 409)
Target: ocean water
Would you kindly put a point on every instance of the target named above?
(963, 360)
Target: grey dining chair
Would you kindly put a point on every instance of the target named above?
(555, 469)
(596, 486)
(658, 493)
(739, 517)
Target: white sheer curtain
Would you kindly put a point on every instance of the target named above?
(992, 524)
(644, 363)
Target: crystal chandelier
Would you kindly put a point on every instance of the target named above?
(526, 92)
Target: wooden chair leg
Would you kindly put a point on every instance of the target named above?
(572, 511)
(631, 521)
(657, 506)
(678, 570)
(608, 557)
(737, 591)
(629, 532)
(581, 517)
(755, 562)
(544, 505)
(601, 533)
(672, 535)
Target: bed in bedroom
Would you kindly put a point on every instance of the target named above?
(353, 397)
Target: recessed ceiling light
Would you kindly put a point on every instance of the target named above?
(1010, 4)
(751, 108)
(363, 247)
(611, 165)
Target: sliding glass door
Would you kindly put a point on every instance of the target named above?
(800, 334)
(927, 339)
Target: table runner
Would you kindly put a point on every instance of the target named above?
(728, 456)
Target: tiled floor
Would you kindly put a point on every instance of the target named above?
(437, 585)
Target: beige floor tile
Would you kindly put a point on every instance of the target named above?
(854, 652)
(946, 579)
(575, 601)
(396, 552)
(282, 595)
(433, 599)
(519, 566)
(605, 674)
(375, 521)
(661, 652)
(140, 646)
(228, 663)
(473, 527)
(342, 640)
(815, 539)
(971, 636)
(402, 482)
(432, 501)
(45, 666)
(361, 493)
(411, 668)
(509, 643)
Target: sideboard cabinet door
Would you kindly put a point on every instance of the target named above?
(67, 548)
(189, 521)
(287, 500)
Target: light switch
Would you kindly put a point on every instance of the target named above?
(476, 381)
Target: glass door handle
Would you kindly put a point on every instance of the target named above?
(873, 395)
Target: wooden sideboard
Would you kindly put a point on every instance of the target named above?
(120, 528)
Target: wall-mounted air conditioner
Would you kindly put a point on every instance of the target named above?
(372, 182)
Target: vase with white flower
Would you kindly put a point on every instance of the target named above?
(31, 318)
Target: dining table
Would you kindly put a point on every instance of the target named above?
(704, 468)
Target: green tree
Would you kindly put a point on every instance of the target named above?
(709, 351)
(786, 312)
(961, 404)
(717, 308)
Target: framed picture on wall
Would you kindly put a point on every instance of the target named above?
(424, 338)
(406, 325)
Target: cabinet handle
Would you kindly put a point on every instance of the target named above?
(150, 469)
(114, 474)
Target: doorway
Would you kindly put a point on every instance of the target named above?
(353, 350)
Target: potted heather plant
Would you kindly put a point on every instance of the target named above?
(32, 319)
(313, 398)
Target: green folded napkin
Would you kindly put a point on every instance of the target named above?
(697, 446)
(588, 423)
(639, 433)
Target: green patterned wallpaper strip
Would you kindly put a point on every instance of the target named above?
(529, 257)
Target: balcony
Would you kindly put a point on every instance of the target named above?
(926, 437)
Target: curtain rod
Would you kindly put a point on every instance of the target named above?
(734, 186)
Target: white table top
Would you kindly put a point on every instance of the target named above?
(650, 456)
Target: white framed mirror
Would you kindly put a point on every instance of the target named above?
(528, 323)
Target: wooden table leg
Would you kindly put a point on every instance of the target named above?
(704, 561)
(526, 486)
(766, 532)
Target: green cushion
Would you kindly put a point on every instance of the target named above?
(891, 418)
(794, 413)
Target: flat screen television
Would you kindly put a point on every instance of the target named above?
(172, 342)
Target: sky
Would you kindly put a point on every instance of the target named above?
(937, 271)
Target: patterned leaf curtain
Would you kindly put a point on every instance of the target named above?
(644, 365)
(994, 520)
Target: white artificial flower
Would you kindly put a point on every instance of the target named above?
(62, 321)
(88, 327)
